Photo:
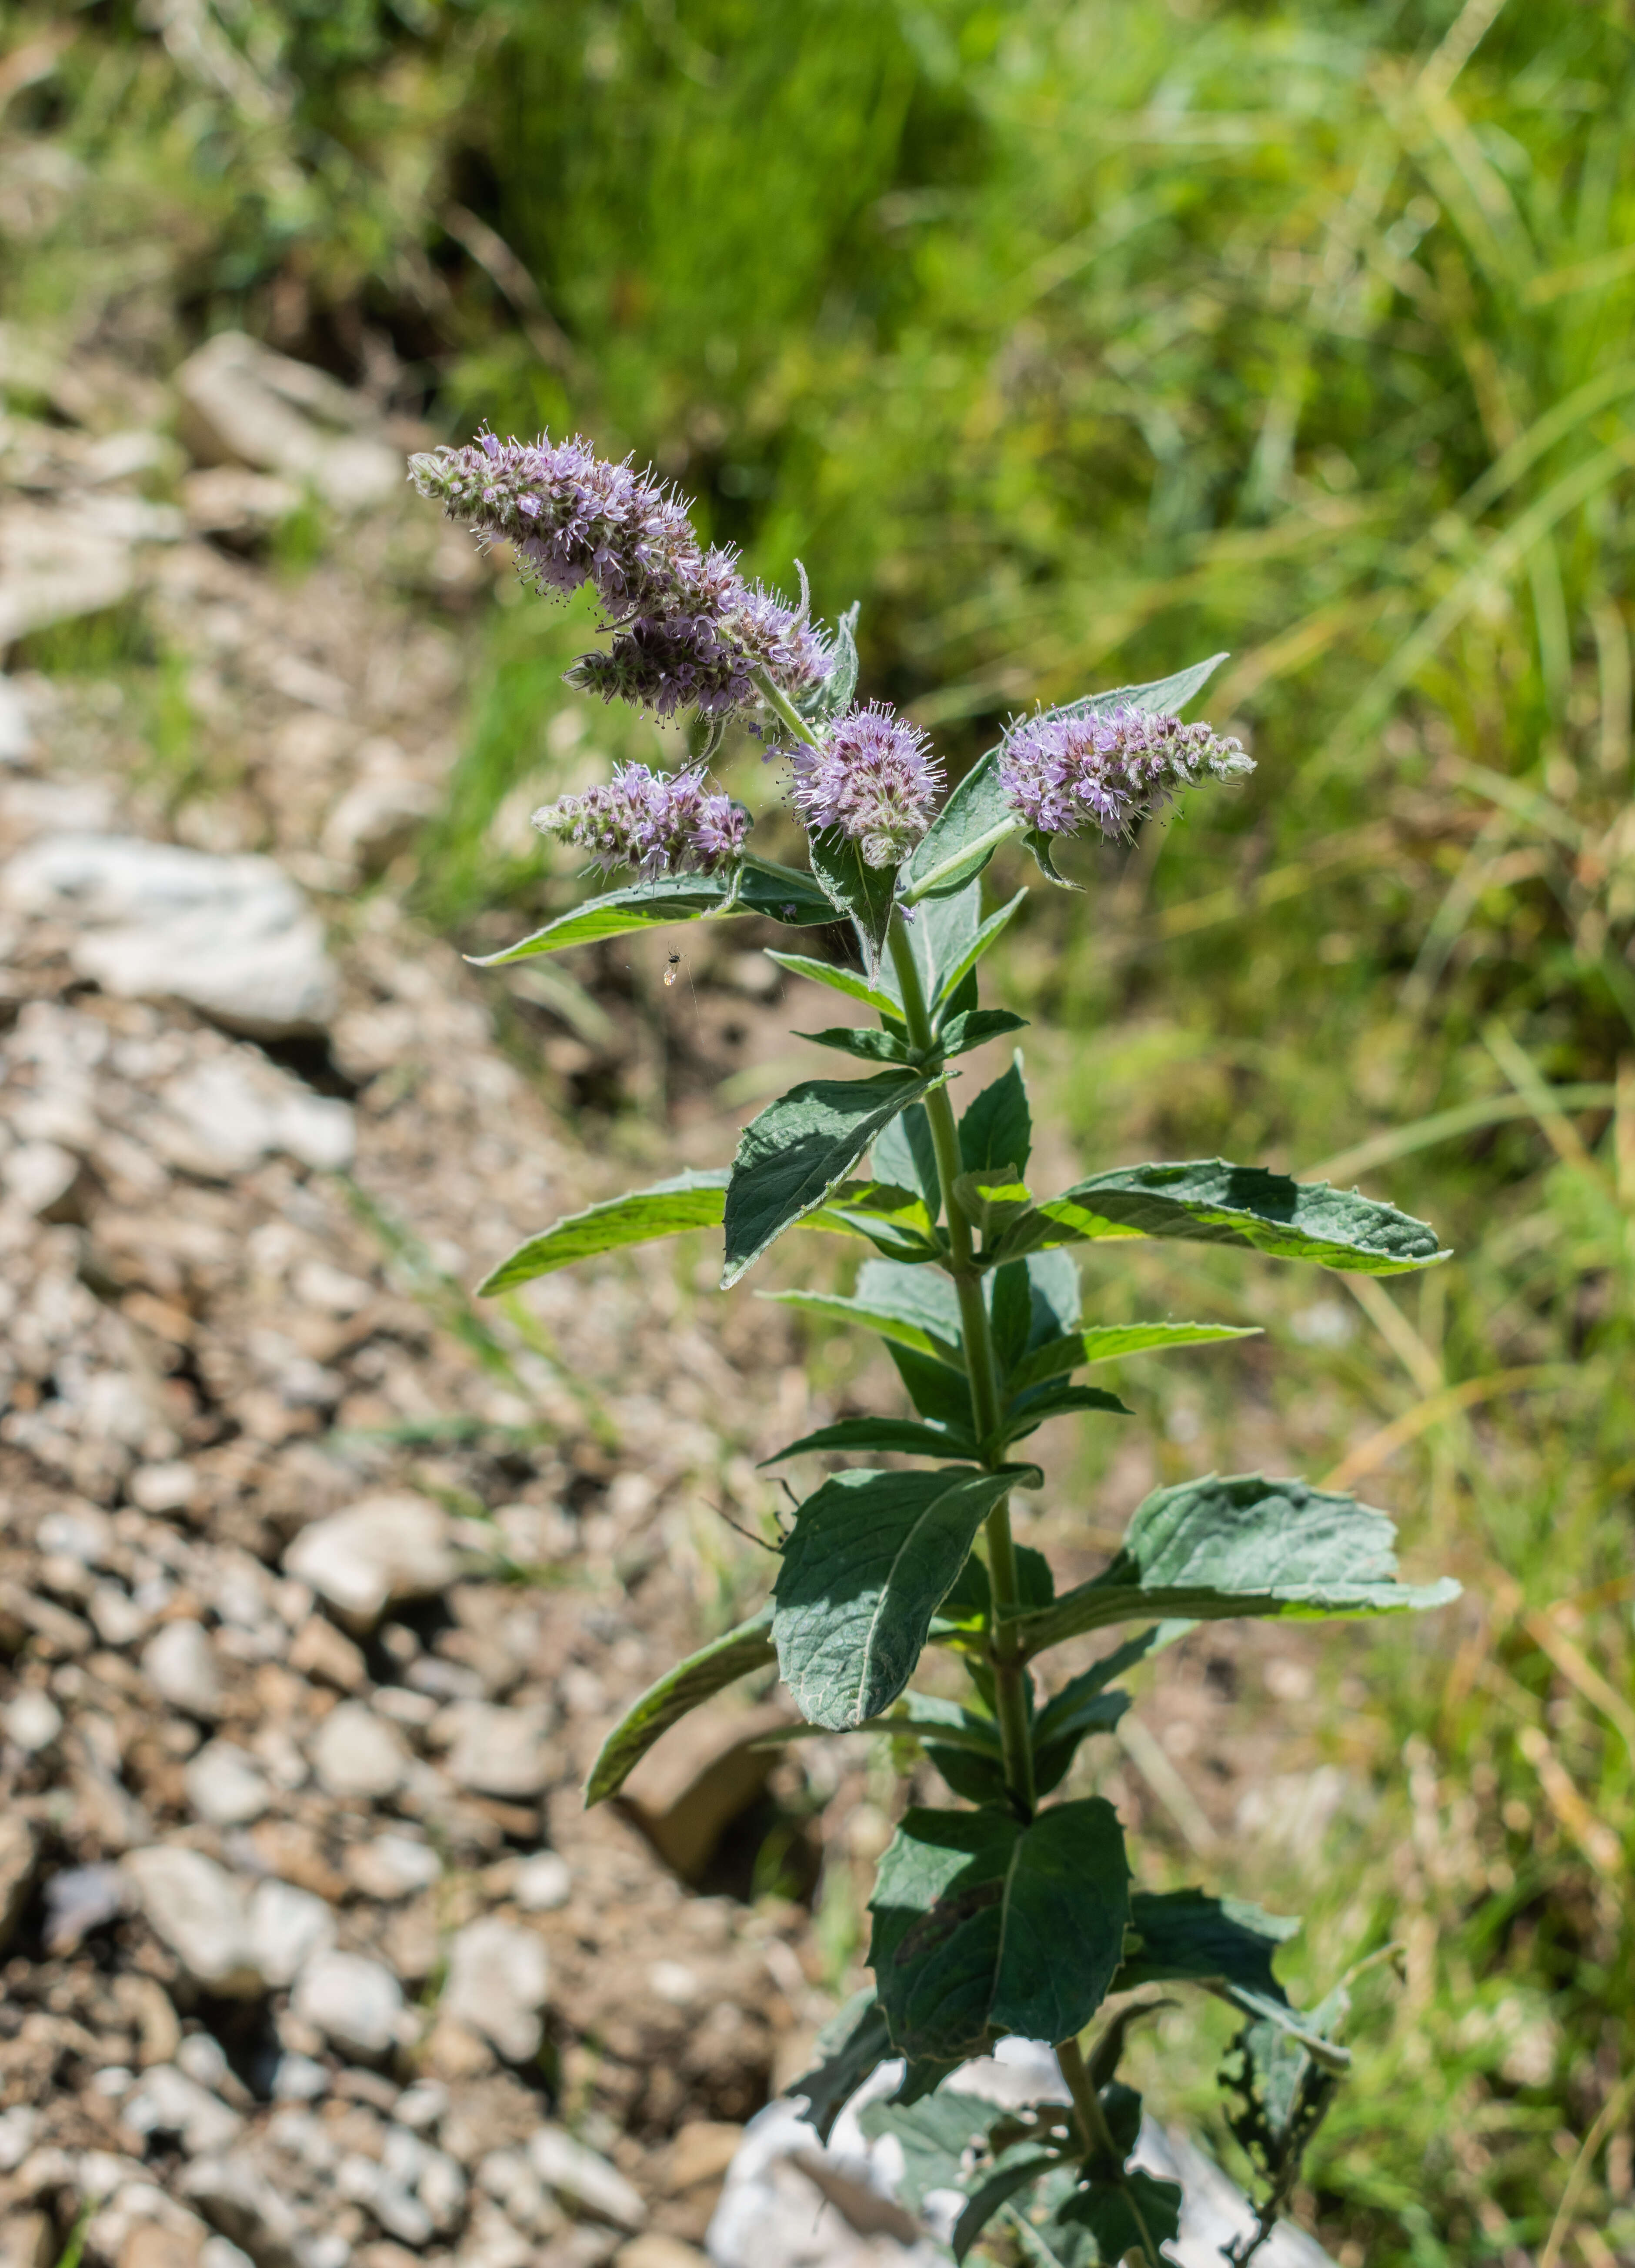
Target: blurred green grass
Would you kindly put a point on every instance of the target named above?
(1077, 337)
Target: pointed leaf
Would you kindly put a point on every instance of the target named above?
(799, 1151)
(1018, 2167)
(939, 931)
(777, 892)
(851, 982)
(964, 836)
(859, 1435)
(941, 1394)
(1133, 2212)
(1211, 1201)
(1161, 696)
(866, 893)
(852, 2045)
(867, 1041)
(699, 1678)
(984, 1925)
(1001, 1206)
(1086, 1705)
(912, 1307)
(1044, 848)
(906, 1152)
(1063, 1402)
(691, 1200)
(833, 695)
(974, 1028)
(895, 1221)
(963, 961)
(870, 1558)
(1187, 1937)
(1108, 1341)
(996, 1130)
(1214, 1548)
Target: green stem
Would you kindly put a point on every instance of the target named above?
(782, 708)
(1010, 1670)
(1097, 2134)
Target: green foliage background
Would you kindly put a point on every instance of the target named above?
(1078, 338)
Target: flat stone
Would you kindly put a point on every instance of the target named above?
(225, 1116)
(355, 1754)
(498, 1975)
(232, 937)
(224, 1786)
(53, 568)
(165, 2101)
(354, 2003)
(179, 1663)
(240, 402)
(195, 1905)
(582, 2178)
(20, 1856)
(27, 2240)
(690, 1785)
(377, 1553)
(498, 1751)
(163, 2244)
(288, 1928)
(322, 1651)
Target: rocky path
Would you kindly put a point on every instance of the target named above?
(319, 1587)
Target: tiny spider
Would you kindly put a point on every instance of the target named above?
(672, 970)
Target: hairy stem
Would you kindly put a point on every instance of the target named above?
(1010, 1670)
(1097, 2135)
(784, 710)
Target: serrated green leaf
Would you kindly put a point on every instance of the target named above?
(868, 1561)
(853, 2044)
(1208, 1201)
(851, 982)
(1215, 1548)
(1159, 697)
(1109, 1342)
(691, 1200)
(1187, 1937)
(996, 1132)
(866, 893)
(697, 1679)
(856, 1436)
(775, 892)
(962, 962)
(984, 1925)
(799, 1151)
(869, 1042)
(974, 1028)
(965, 834)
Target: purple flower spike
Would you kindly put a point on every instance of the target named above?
(1065, 774)
(874, 777)
(659, 822)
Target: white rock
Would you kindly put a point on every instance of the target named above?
(166, 2101)
(379, 1551)
(179, 1663)
(32, 1722)
(231, 935)
(393, 1866)
(354, 2003)
(168, 1487)
(355, 1753)
(299, 2079)
(53, 566)
(543, 1882)
(195, 1905)
(18, 2129)
(223, 1116)
(583, 2178)
(496, 1751)
(288, 1928)
(118, 1619)
(219, 2252)
(421, 2105)
(498, 1975)
(223, 1787)
(202, 2057)
(38, 1175)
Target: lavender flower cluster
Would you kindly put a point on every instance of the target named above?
(690, 632)
(1064, 774)
(659, 822)
(874, 777)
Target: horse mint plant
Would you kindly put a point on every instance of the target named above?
(1012, 1908)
